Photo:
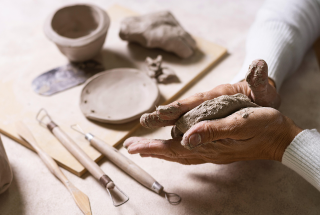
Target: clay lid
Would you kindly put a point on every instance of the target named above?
(76, 25)
(118, 96)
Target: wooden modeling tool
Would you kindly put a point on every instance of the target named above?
(79, 197)
(127, 165)
(118, 197)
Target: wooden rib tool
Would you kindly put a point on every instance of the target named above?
(79, 197)
(118, 197)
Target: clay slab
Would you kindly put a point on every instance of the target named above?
(118, 96)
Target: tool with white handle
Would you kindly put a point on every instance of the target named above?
(80, 198)
(127, 165)
(83, 158)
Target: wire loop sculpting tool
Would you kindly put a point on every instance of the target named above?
(45, 120)
(127, 165)
(79, 197)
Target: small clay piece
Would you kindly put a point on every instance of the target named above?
(162, 74)
(79, 31)
(5, 170)
(245, 112)
(158, 30)
(216, 108)
(118, 96)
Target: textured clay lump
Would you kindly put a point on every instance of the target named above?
(158, 30)
(216, 108)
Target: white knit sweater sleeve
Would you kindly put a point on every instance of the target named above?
(281, 34)
(303, 156)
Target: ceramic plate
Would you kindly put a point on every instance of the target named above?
(118, 96)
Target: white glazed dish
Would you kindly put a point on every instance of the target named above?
(78, 30)
(118, 96)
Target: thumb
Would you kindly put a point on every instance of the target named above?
(262, 92)
(210, 131)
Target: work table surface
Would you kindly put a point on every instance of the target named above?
(251, 187)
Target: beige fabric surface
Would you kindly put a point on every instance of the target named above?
(5, 170)
(253, 187)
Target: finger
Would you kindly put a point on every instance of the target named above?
(176, 109)
(152, 120)
(185, 161)
(257, 76)
(213, 130)
(169, 148)
(262, 92)
(168, 114)
(132, 140)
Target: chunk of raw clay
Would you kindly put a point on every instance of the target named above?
(158, 30)
(216, 108)
(162, 74)
(5, 170)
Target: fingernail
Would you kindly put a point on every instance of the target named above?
(131, 150)
(194, 139)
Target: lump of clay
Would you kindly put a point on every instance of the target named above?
(216, 108)
(5, 170)
(162, 74)
(158, 30)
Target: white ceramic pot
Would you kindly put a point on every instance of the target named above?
(79, 30)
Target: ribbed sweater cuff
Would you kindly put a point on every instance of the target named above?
(272, 43)
(303, 156)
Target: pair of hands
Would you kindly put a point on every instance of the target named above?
(264, 134)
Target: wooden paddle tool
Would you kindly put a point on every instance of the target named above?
(118, 197)
(79, 197)
(127, 165)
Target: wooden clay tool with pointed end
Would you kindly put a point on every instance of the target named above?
(128, 166)
(117, 196)
(79, 197)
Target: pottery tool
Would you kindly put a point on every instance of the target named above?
(127, 165)
(65, 77)
(83, 158)
(21, 102)
(118, 96)
(79, 197)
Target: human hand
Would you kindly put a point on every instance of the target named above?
(257, 86)
(264, 134)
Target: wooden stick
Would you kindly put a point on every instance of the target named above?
(86, 161)
(125, 164)
(80, 198)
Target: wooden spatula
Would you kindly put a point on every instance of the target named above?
(79, 197)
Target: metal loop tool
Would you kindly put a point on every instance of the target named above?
(83, 158)
(171, 196)
(127, 165)
(41, 119)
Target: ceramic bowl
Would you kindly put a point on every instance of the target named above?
(79, 30)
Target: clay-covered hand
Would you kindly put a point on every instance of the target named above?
(257, 86)
(264, 134)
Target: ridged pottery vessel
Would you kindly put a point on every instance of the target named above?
(79, 30)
